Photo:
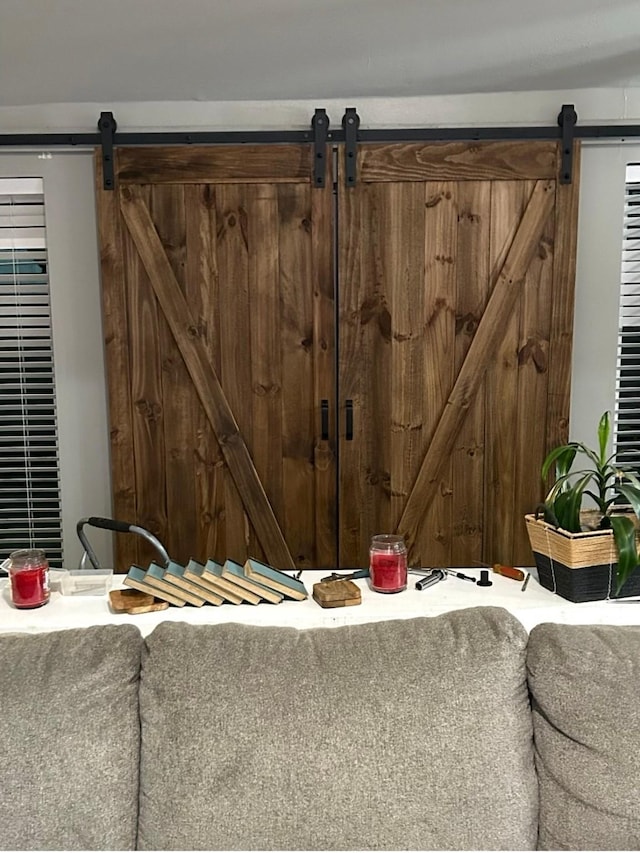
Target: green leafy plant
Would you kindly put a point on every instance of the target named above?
(602, 480)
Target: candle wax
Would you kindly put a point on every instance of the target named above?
(30, 587)
(388, 572)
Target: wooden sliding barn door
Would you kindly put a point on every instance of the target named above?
(219, 326)
(456, 276)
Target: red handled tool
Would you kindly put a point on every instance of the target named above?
(505, 571)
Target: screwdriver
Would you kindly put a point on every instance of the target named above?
(505, 571)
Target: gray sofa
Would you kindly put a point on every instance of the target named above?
(454, 732)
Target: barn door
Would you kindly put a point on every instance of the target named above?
(219, 326)
(456, 269)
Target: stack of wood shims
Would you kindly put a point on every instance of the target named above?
(213, 583)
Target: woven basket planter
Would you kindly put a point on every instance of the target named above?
(577, 566)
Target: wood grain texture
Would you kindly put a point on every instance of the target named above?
(115, 326)
(300, 405)
(369, 238)
(246, 267)
(481, 349)
(472, 293)
(508, 202)
(324, 371)
(235, 348)
(561, 337)
(231, 164)
(185, 331)
(135, 601)
(148, 461)
(340, 593)
(180, 402)
(404, 245)
(354, 355)
(534, 372)
(457, 161)
(372, 405)
(263, 348)
(202, 284)
(434, 538)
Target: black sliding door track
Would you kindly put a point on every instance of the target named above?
(566, 130)
(418, 134)
(339, 134)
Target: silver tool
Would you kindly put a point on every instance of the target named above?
(434, 577)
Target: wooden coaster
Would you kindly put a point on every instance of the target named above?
(134, 601)
(336, 593)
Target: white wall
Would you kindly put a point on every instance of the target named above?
(597, 284)
(74, 262)
(77, 339)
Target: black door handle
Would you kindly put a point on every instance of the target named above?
(324, 420)
(349, 423)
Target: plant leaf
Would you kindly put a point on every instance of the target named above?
(632, 494)
(563, 457)
(567, 505)
(624, 533)
(574, 503)
(564, 484)
(604, 431)
(631, 477)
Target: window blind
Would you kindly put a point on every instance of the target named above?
(30, 511)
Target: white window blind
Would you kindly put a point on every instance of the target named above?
(30, 513)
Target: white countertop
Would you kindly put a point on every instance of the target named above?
(530, 607)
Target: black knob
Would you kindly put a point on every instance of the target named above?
(484, 579)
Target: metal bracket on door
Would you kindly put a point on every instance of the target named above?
(320, 126)
(107, 126)
(567, 119)
(351, 123)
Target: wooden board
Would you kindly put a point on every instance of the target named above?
(134, 601)
(336, 593)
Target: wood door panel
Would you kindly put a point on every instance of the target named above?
(458, 161)
(201, 287)
(509, 200)
(148, 411)
(472, 288)
(440, 283)
(228, 312)
(115, 324)
(234, 327)
(181, 404)
(483, 295)
(562, 310)
(480, 353)
(324, 374)
(220, 164)
(299, 409)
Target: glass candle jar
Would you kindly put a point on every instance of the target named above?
(388, 563)
(29, 573)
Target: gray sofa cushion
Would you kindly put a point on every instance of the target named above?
(69, 739)
(585, 683)
(408, 734)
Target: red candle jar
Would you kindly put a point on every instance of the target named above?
(388, 563)
(29, 573)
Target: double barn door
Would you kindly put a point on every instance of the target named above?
(292, 369)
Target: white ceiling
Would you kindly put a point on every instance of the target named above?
(109, 51)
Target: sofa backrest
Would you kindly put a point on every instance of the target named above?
(69, 739)
(585, 685)
(412, 734)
